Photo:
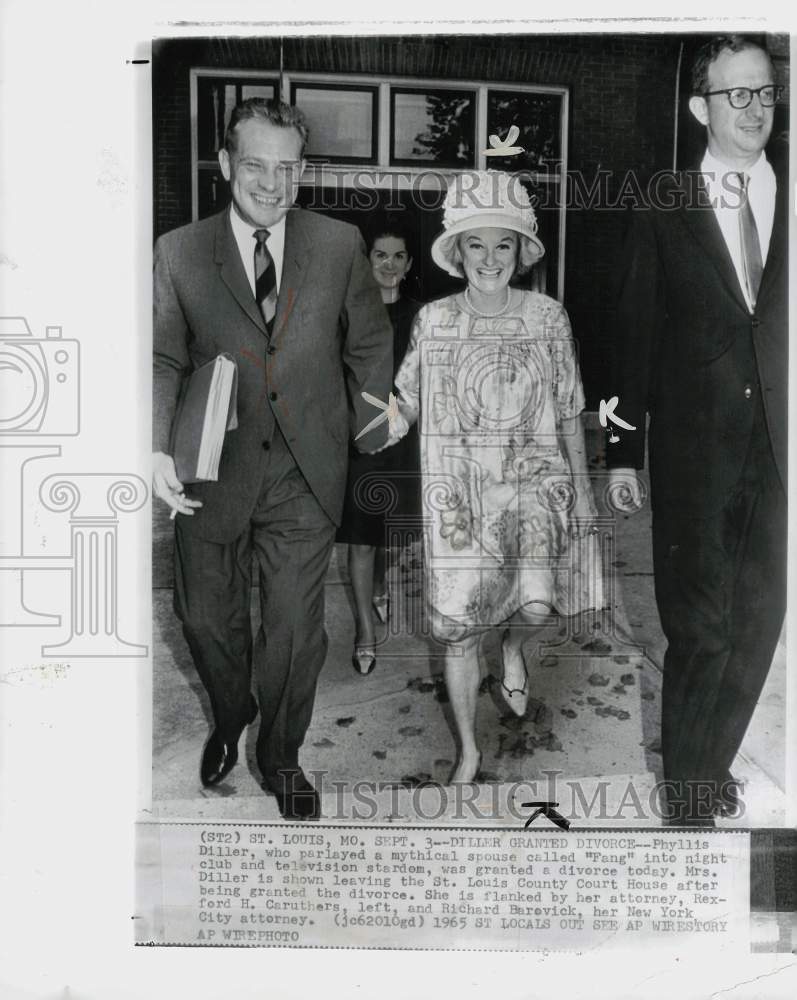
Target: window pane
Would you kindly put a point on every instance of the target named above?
(341, 122)
(215, 101)
(213, 192)
(257, 90)
(433, 126)
(216, 97)
(538, 117)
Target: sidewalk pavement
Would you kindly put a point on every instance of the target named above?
(591, 734)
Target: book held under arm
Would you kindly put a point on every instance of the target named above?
(207, 409)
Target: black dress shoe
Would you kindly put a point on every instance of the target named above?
(296, 798)
(728, 798)
(218, 759)
(706, 822)
(690, 803)
(219, 756)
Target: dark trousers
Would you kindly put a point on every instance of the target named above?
(721, 594)
(292, 539)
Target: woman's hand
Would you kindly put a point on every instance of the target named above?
(407, 411)
(397, 424)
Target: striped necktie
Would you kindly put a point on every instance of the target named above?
(265, 279)
(752, 263)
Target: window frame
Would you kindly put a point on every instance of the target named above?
(381, 173)
(352, 87)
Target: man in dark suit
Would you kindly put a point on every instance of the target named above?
(290, 295)
(701, 346)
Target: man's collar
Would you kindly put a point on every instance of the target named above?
(244, 230)
(712, 166)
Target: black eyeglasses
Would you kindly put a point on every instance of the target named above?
(741, 97)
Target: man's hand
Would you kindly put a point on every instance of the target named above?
(626, 493)
(398, 426)
(168, 487)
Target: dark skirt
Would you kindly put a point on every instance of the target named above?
(383, 495)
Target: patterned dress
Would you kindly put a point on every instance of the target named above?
(492, 394)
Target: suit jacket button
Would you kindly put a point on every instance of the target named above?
(266, 445)
(271, 349)
(748, 392)
(755, 321)
(272, 395)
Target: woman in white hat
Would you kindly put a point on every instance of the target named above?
(491, 375)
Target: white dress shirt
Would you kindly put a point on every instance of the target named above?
(244, 234)
(724, 191)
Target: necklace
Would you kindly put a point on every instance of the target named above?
(486, 315)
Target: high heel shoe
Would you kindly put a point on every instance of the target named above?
(516, 698)
(381, 606)
(363, 659)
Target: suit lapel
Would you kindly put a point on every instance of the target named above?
(702, 221)
(296, 258)
(777, 241)
(228, 257)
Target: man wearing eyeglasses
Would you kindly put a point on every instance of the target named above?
(701, 348)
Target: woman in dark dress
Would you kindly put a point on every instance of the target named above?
(386, 482)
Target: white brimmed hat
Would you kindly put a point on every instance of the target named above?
(485, 199)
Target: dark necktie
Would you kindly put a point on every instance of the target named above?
(265, 279)
(752, 263)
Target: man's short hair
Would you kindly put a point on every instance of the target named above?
(712, 49)
(272, 111)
